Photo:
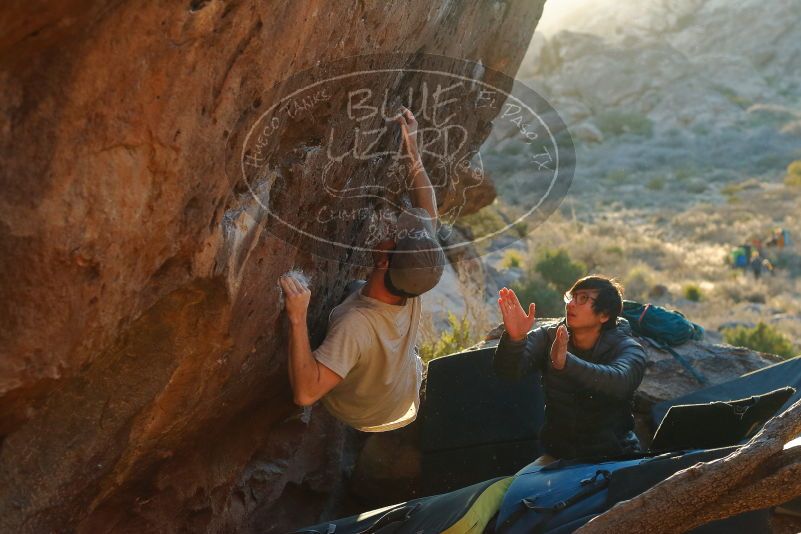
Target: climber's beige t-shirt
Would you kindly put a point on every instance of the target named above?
(371, 345)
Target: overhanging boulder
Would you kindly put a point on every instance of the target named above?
(143, 373)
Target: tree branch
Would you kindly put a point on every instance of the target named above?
(774, 490)
(695, 495)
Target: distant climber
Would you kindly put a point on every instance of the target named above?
(367, 371)
(756, 264)
(779, 239)
(590, 367)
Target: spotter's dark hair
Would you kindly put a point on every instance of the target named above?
(610, 296)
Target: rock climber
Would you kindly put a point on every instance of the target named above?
(367, 372)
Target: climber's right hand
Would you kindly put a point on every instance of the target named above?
(515, 320)
(296, 298)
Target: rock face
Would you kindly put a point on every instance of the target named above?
(142, 357)
(666, 379)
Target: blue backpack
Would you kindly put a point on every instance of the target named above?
(662, 325)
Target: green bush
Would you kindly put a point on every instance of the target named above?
(696, 187)
(793, 177)
(731, 189)
(494, 218)
(458, 337)
(762, 337)
(553, 273)
(656, 184)
(621, 122)
(692, 292)
(684, 173)
(556, 268)
(617, 177)
(548, 300)
(512, 259)
(484, 222)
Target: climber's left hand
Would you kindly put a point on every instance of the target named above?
(296, 298)
(409, 127)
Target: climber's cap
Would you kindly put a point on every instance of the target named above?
(417, 262)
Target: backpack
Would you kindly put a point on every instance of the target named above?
(665, 326)
(739, 258)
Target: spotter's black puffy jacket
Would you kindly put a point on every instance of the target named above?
(588, 403)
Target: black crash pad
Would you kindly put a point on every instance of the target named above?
(718, 423)
(771, 378)
(474, 424)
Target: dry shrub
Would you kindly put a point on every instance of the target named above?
(638, 282)
(793, 177)
(692, 292)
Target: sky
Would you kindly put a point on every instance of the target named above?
(556, 15)
(602, 17)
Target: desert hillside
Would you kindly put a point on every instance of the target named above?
(686, 118)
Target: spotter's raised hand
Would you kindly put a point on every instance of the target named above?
(515, 320)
